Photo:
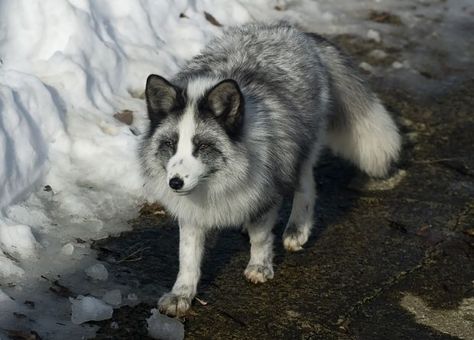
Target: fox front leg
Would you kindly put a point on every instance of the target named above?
(191, 246)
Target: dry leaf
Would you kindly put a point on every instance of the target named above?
(202, 302)
(61, 290)
(124, 116)
(469, 232)
(23, 335)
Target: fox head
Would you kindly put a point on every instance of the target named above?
(195, 128)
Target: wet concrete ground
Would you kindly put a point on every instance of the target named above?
(392, 264)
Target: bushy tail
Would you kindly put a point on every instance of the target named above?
(360, 128)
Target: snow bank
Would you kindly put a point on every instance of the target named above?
(25, 132)
(69, 172)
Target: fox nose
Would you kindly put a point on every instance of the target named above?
(176, 183)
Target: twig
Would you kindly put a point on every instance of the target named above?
(440, 160)
(129, 256)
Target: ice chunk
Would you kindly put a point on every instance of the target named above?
(4, 298)
(113, 297)
(18, 240)
(163, 327)
(88, 308)
(8, 268)
(97, 272)
(67, 249)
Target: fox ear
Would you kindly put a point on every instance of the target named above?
(226, 102)
(161, 97)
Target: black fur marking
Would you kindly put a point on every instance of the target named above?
(163, 99)
(226, 104)
(292, 229)
(260, 210)
(167, 148)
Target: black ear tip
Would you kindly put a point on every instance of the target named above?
(153, 78)
(231, 82)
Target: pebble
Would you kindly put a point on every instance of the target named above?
(366, 67)
(374, 35)
(378, 54)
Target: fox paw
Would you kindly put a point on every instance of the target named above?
(294, 239)
(257, 273)
(174, 305)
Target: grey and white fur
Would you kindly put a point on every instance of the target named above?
(242, 126)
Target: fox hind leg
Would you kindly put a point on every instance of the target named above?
(299, 225)
(260, 266)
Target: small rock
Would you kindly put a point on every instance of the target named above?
(163, 327)
(378, 54)
(366, 67)
(397, 65)
(88, 308)
(405, 121)
(114, 325)
(374, 35)
(97, 272)
(412, 136)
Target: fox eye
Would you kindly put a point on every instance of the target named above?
(168, 143)
(203, 146)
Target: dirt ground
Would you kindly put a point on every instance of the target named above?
(380, 264)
